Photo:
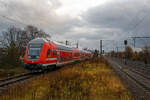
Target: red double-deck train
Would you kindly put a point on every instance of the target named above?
(42, 54)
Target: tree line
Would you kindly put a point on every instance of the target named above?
(14, 42)
(143, 55)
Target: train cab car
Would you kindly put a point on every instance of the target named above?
(40, 54)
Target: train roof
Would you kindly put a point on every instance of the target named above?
(61, 46)
(38, 40)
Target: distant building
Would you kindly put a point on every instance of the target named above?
(141, 49)
(137, 49)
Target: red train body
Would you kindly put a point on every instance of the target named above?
(42, 54)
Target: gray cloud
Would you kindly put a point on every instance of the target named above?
(39, 13)
(115, 20)
(121, 19)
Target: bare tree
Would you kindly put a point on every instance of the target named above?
(16, 39)
(33, 32)
(15, 36)
(21, 37)
(11, 44)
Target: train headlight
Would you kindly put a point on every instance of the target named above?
(37, 57)
(29, 57)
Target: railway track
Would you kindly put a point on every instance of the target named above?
(139, 82)
(138, 78)
(142, 74)
(135, 70)
(4, 83)
(138, 66)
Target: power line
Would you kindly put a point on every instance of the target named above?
(12, 19)
(140, 37)
(138, 23)
(134, 39)
(16, 21)
(138, 13)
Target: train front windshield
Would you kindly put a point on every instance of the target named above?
(34, 50)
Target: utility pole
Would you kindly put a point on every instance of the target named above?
(77, 44)
(117, 50)
(134, 39)
(101, 47)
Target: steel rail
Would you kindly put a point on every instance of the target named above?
(11, 80)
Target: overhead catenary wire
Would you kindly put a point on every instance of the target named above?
(16, 21)
(12, 19)
(136, 16)
(138, 23)
(138, 13)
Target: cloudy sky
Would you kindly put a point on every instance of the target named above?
(86, 21)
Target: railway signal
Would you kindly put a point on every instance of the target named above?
(125, 43)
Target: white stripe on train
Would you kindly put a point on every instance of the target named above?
(51, 59)
(58, 64)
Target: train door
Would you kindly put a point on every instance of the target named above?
(58, 57)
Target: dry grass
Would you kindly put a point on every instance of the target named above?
(89, 80)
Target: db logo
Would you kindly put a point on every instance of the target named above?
(32, 61)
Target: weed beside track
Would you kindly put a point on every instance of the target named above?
(88, 80)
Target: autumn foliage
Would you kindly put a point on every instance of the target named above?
(143, 55)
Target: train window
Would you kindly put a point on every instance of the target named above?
(62, 58)
(48, 52)
(35, 45)
(54, 52)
